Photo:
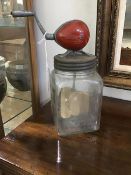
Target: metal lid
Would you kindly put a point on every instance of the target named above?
(74, 61)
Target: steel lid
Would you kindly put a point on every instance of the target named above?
(74, 61)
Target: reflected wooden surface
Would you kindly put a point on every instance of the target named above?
(35, 148)
(11, 33)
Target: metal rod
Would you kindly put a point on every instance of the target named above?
(22, 13)
(28, 14)
(43, 31)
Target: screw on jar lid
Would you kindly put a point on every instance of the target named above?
(74, 61)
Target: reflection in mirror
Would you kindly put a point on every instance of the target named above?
(15, 73)
(126, 42)
(122, 59)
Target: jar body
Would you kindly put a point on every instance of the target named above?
(3, 87)
(76, 101)
(3, 84)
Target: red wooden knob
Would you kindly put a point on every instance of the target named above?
(73, 35)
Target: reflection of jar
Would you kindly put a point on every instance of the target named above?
(2, 65)
(3, 87)
(76, 93)
(18, 75)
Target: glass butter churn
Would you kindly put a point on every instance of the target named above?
(76, 87)
(76, 93)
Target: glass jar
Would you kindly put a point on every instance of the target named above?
(3, 87)
(2, 65)
(18, 75)
(76, 92)
(3, 84)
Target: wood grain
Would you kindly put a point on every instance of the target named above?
(112, 81)
(102, 38)
(9, 33)
(33, 62)
(35, 148)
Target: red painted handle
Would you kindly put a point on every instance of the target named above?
(73, 35)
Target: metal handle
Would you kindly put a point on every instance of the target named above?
(22, 13)
(28, 14)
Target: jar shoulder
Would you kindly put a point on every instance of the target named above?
(94, 76)
(98, 77)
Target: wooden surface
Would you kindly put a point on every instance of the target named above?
(110, 81)
(33, 61)
(10, 48)
(35, 148)
(102, 35)
(8, 33)
(20, 41)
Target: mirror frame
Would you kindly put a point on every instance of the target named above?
(106, 34)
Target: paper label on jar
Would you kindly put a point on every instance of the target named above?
(64, 102)
(73, 103)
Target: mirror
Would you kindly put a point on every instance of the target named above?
(122, 58)
(113, 43)
(15, 66)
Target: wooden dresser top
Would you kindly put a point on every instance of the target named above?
(35, 148)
